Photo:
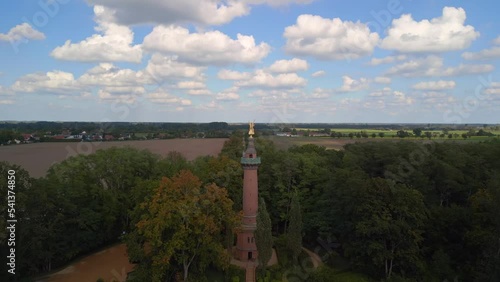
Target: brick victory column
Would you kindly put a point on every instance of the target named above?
(245, 245)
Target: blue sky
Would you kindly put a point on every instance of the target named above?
(272, 61)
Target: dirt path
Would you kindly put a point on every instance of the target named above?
(316, 260)
(111, 264)
(250, 272)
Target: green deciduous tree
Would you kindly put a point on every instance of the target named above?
(383, 230)
(417, 132)
(184, 223)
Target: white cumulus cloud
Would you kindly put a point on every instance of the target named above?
(382, 80)
(261, 78)
(112, 44)
(167, 68)
(435, 85)
(205, 12)
(442, 34)
(163, 97)
(434, 66)
(211, 47)
(233, 75)
(486, 54)
(53, 82)
(386, 60)
(318, 73)
(227, 96)
(21, 32)
(190, 84)
(121, 94)
(330, 39)
(293, 65)
(107, 74)
(351, 85)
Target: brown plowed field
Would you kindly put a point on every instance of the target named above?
(36, 158)
(111, 265)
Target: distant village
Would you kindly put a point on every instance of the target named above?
(19, 133)
(66, 135)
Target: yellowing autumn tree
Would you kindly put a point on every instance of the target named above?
(185, 223)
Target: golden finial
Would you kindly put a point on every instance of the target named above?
(251, 132)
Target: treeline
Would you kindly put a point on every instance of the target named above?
(123, 127)
(401, 211)
(393, 126)
(397, 211)
(90, 201)
(46, 131)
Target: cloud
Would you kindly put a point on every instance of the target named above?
(437, 100)
(168, 12)
(320, 93)
(212, 105)
(211, 47)
(293, 65)
(196, 92)
(191, 84)
(318, 73)
(227, 96)
(233, 75)
(486, 54)
(107, 74)
(442, 34)
(5, 91)
(162, 97)
(435, 85)
(433, 66)
(352, 85)
(329, 39)
(382, 80)
(387, 97)
(54, 82)
(194, 87)
(276, 3)
(22, 32)
(205, 12)
(258, 93)
(121, 94)
(167, 68)
(386, 60)
(113, 44)
(261, 78)
(493, 90)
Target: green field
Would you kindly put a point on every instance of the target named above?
(389, 133)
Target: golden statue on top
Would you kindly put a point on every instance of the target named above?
(251, 131)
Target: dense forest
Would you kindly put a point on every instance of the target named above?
(392, 211)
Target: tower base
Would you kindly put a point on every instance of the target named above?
(244, 263)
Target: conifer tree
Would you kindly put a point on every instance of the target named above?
(263, 235)
(295, 229)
